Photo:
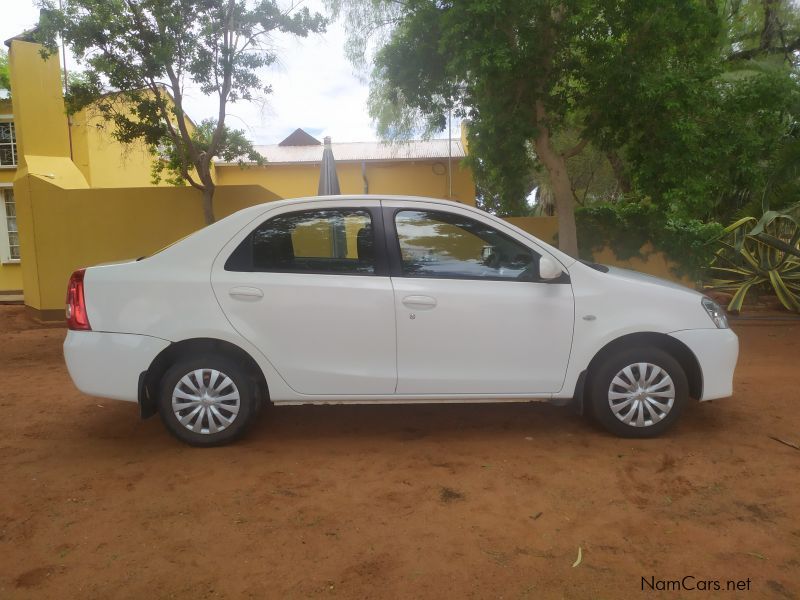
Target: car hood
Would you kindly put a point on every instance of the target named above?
(637, 277)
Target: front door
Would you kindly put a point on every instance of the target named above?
(472, 315)
(308, 289)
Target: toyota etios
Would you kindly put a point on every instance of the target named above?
(358, 299)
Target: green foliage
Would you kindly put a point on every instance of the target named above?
(718, 159)
(591, 65)
(5, 77)
(627, 226)
(759, 254)
(146, 51)
(235, 148)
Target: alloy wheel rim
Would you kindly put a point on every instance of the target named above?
(641, 394)
(206, 401)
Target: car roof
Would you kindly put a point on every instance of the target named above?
(349, 198)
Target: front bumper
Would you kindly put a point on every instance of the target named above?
(109, 364)
(716, 351)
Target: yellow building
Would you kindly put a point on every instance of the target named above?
(415, 168)
(73, 196)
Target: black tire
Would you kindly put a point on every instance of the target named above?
(599, 386)
(238, 422)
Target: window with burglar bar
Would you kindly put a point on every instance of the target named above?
(10, 242)
(8, 144)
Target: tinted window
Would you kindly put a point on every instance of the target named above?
(311, 241)
(444, 245)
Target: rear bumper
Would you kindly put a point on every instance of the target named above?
(109, 364)
(716, 351)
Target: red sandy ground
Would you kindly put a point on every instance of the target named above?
(394, 501)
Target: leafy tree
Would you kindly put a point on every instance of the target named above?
(731, 154)
(147, 51)
(5, 78)
(526, 71)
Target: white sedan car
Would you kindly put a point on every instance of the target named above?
(355, 299)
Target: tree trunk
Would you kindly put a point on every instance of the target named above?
(208, 202)
(565, 205)
(620, 175)
(556, 166)
(771, 24)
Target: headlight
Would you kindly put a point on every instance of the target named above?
(716, 313)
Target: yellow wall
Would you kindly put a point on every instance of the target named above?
(544, 228)
(10, 278)
(104, 161)
(65, 229)
(411, 178)
(38, 102)
(653, 263)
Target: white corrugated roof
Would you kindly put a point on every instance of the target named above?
(361, 151)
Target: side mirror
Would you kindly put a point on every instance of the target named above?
(549, 268)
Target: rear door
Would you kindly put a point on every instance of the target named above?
(309, 287)
(472, 315)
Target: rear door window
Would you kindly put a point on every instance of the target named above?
(325, 241)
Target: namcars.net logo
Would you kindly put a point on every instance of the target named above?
(690, 583)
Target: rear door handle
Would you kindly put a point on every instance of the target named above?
(244, 292)
(419, 302)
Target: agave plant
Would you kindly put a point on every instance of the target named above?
(760, 252)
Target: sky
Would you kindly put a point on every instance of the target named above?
(314, 86)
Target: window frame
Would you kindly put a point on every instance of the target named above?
(14, 153)
(240, 260)
(396, 258)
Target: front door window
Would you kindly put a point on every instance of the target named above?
(448, 246)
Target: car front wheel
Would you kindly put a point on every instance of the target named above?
(206, 400)
(638, 393)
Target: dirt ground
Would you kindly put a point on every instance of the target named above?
(470, 501)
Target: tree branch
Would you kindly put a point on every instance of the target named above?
(751, 53)
(576, 149)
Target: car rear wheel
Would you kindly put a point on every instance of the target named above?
(638, 393)
(206, 400)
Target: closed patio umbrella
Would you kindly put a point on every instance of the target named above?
(328, 180)
(329, 185)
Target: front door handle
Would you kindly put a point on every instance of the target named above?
(419, 302)
(244, 292)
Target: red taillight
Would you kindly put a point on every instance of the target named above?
(77, 318)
